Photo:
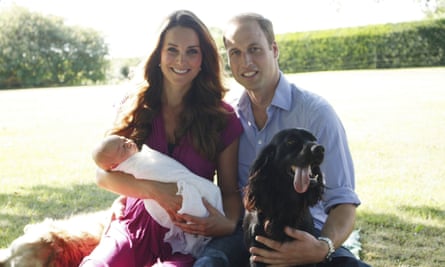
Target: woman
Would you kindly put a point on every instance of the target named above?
(179, 112)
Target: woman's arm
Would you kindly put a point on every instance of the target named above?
(227, 178)
(127, 185)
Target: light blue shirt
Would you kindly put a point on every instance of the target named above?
(293, 107)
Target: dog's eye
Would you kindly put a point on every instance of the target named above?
(290, 142)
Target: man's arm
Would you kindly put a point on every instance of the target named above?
(339, 224)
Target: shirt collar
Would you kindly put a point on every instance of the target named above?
(283, 94)
(282, 97)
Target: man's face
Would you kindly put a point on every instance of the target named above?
(252, 60)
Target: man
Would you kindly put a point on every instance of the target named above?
(269, 104)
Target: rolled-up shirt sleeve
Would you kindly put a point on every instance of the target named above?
(337, 167)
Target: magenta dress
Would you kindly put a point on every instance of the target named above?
(137, 239)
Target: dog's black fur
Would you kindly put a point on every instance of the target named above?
(270, 199)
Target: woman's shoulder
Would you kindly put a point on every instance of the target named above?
(233, 127)
(230, 111)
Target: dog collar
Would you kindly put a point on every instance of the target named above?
(331, 249)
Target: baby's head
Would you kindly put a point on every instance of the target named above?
(113, 150)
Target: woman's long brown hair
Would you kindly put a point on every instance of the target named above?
(203, 117)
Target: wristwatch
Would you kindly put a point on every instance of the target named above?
(330, 246)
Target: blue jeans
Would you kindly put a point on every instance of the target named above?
(343, 258)
(230, 251)
(226, 251)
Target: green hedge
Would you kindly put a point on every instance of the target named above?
(414, 44)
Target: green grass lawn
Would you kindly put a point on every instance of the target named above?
(395, 120)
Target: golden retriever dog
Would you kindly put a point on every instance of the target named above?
(56, 243)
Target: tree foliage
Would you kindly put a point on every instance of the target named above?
(433, 8)
(400, 45)
(38, 50)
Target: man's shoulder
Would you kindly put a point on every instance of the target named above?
(306, 98)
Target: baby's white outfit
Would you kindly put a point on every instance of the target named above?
(152, 165)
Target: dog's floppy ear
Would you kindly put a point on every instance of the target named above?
(265, 158)
(257, 176)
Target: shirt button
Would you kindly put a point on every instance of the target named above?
(260, 142)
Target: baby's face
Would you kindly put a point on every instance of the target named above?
(123, 148)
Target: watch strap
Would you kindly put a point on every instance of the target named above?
(331, 247)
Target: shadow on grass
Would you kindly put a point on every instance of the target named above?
(425, 212)
(406, 238)
(34, 204)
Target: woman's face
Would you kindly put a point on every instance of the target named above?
(181, 57)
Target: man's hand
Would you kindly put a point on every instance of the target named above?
(216, 224)
(304, 249)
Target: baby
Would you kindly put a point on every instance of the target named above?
(117, 153)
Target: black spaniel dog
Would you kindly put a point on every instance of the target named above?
(285, 180)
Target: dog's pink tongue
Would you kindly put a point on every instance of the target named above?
(301, 179)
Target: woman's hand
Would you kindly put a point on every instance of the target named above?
(216, 224)
(166, 195)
